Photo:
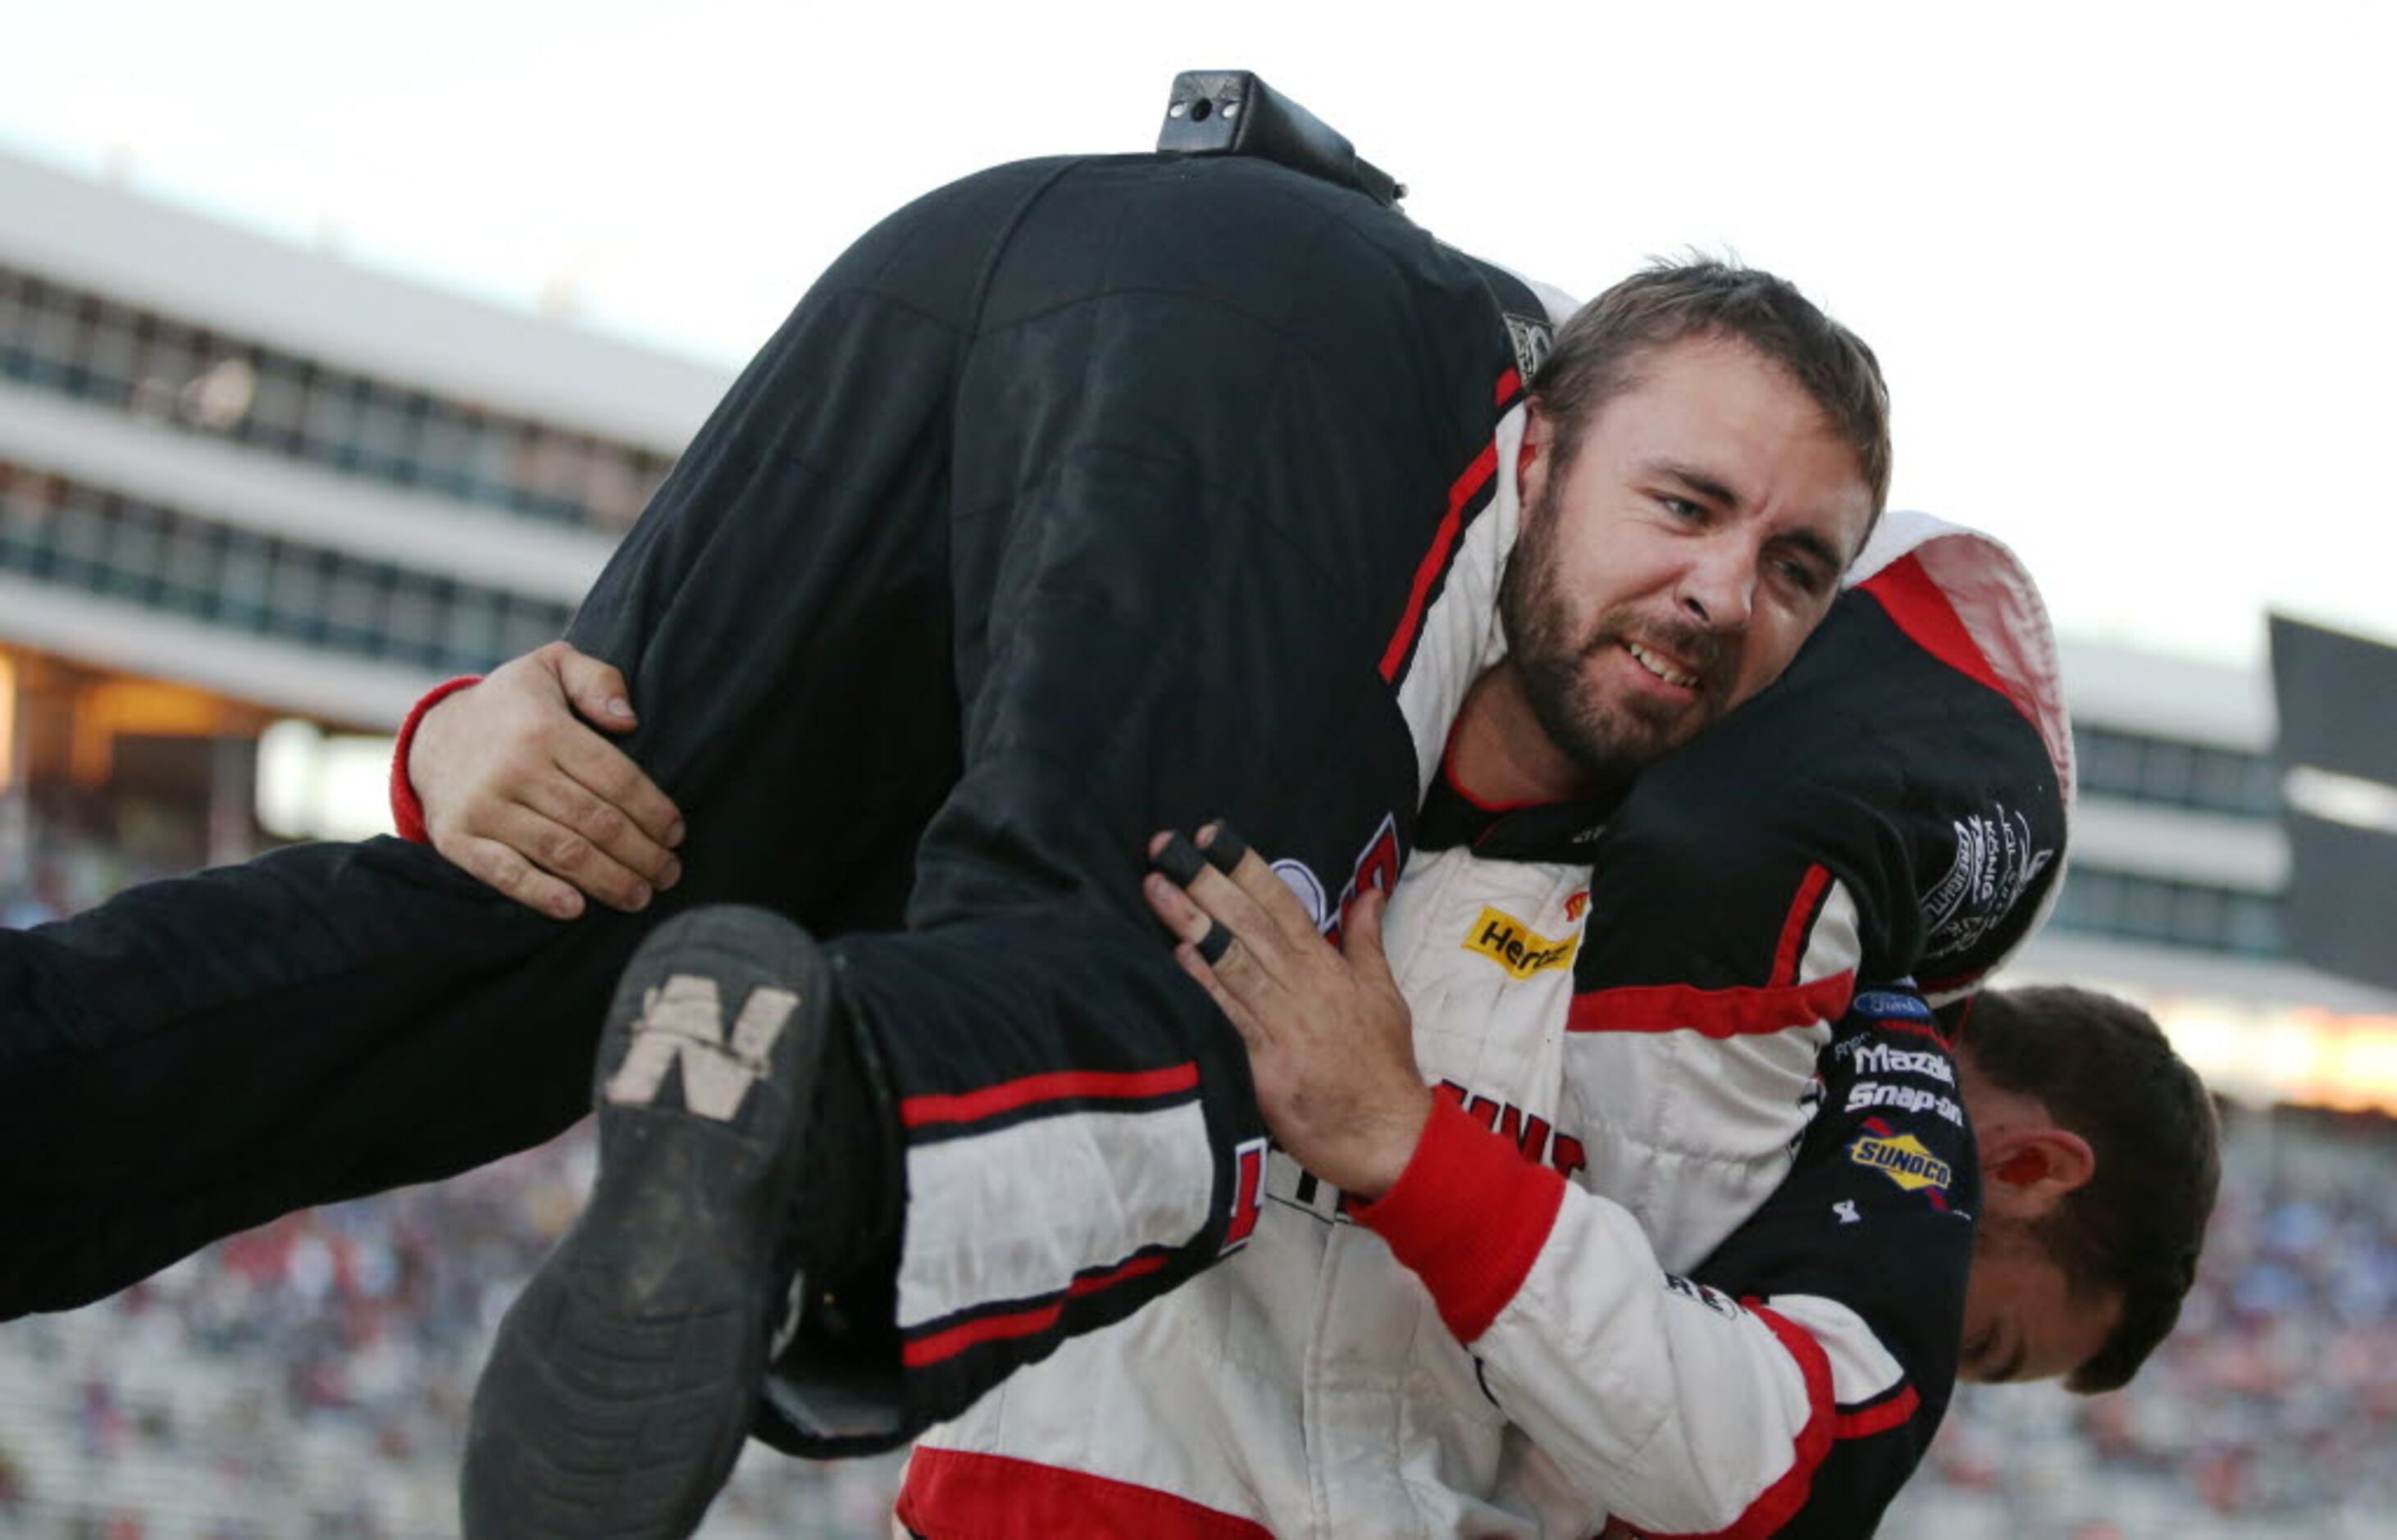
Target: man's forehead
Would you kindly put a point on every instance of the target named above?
(1726, 384)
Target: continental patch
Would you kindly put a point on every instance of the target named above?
(1903, 1160)
(1515, 946)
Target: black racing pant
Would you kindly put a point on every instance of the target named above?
(1079, 499)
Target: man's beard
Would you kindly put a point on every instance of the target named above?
(1607, 741)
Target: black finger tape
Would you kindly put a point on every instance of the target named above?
(1215, 943)
(1225, 851)
(1179, 860)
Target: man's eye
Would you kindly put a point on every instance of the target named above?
(1681, 507)
(1802, 575)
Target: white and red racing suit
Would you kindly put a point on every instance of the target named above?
(1684, 1246)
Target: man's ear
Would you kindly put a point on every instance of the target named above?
(2025, 1171)
(1533, 461)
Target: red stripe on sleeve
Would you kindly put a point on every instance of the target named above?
(1061, 1086)
(1880, 1417)
(407, 813)
(1712, 1012)
(1791, 948)
(1434, 562)
(949, 1492)
(1469, 1215)
(921, 1351)
(1508, 383)
(1779, 1503)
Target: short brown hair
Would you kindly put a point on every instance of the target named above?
(2105, 1070)
(1596, 352)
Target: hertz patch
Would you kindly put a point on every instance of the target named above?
(1515, 946)
(1904, 1161)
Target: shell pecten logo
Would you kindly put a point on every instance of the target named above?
(1904, 1160)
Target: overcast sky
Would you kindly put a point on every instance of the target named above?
(2128, 266)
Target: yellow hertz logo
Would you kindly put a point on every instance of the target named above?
(1513, 945)
(1903, 1160)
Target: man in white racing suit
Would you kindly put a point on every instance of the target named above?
(1537, 1326)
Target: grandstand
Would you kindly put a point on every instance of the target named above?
(243, 485)
(312, 1377)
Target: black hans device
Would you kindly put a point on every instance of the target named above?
(1233, 112)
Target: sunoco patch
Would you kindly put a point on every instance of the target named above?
(1904, 1160)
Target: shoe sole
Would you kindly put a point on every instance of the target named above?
(625, 1378)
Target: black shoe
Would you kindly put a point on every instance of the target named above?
(625, 1376)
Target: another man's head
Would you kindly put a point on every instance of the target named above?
(1707, 453)
(2099, 1162)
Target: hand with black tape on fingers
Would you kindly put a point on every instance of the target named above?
(519, 789)
(1331, 1041)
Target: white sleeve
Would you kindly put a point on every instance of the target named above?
(1679, 1409)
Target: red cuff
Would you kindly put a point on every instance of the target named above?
(407, 813)
(1000, 1498)
(1469, 1215)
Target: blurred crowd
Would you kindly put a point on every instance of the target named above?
(312, 1377)
(2271, 1410)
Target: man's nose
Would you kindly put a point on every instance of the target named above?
(1718, 586)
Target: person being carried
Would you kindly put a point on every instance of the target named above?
(1080, 497)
